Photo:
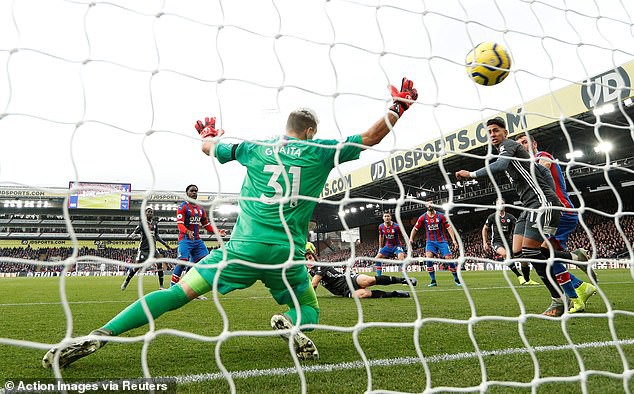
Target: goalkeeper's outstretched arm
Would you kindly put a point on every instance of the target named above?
(208, 133)
(402, 101)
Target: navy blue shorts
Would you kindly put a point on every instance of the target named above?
(389, 251)
(438, 247)
(567, 224)
(192, 250)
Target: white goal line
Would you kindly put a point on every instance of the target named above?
(390, 362)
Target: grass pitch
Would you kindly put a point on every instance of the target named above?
(101, 201)
(468, 338)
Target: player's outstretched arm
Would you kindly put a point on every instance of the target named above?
(310, 256)
(136, 232)
(211, 229)
(412, 235)
(485, 237)
(315, 281)
(162, 242)
(452, 234)
(403, 98)
(208, 133)
(499, 166)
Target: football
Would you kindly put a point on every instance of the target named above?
(488, 63)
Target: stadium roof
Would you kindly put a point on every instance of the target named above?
(576, 118)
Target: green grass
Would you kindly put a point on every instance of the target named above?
(30, 310)
(101, 201)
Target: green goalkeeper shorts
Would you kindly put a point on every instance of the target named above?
(233, 272)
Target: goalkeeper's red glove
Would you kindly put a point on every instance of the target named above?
(407, 92)
(208, 128)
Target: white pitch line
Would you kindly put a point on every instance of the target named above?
(254, 373)
(69, 302)
(233, 297)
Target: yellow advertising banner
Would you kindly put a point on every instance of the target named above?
(65, 243)
(20, 193)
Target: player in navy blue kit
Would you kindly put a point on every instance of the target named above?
(435, 224)
(144, 247)
(390, 244)
(493, 238)
(537, 218)
(189, 218)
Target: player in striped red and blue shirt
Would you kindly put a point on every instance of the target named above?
(189, 218)
(390, 244)
(436, 229)
(569, 218)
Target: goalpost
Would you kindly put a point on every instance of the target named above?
(110, 91)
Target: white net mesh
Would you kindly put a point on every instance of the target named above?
(109, 92)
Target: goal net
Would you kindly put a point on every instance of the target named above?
(109, 92)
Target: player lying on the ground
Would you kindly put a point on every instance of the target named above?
(271, 228)
(335, 281)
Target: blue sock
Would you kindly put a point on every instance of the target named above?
(452, 269)
(576, 282)
(176, 275)
(378, 268)
(563, 278)
(430, 270)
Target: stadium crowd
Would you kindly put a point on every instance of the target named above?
(608, 243)
(59, 254)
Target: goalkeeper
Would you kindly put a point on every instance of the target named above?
(336, 283)
(285, 177)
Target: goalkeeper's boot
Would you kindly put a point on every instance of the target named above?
(585, 291)
(305, 349)
(432, 284)
(578, 306)
(555, 309)
(413, 281)
(521, 280)
(70, 353)
(124, 285)
(531, 282)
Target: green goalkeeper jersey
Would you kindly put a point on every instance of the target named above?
(275, 188)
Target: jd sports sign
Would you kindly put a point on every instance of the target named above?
(604, 88)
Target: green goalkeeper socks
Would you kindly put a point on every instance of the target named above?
(158, 302)
(308, 306)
